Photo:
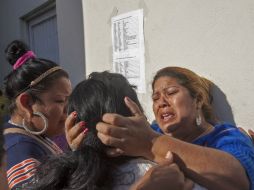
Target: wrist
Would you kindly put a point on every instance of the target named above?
(152, 139)
(160, 147)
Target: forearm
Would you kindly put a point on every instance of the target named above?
(209, 167)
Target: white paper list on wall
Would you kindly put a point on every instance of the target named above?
(128, 47)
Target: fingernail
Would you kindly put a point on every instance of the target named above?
(169, 155)
(82, 124)
(85, 131)
(74, 114)
(127, 98)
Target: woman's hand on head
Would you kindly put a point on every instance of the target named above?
(129, 135)
(74, 132)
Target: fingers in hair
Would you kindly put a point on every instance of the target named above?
(111, 130)
(133, 107)
(110, 141)
(115, 120)
(75, 144)
(70, 121)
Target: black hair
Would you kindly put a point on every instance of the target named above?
(19, 79)
(89, 168)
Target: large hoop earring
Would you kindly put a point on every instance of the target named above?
(45, 120)
(198, 120)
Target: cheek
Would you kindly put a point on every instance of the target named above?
(185, 108)
(54, 114)
(155, 109)
(56, 123)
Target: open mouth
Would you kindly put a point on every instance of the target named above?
(167, 116)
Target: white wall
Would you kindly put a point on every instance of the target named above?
(70, 33)
(213, 38)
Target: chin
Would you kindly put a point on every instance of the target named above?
(171, 129)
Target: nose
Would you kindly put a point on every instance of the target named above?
(162, 102)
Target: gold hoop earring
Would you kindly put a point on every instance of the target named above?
(45, 121)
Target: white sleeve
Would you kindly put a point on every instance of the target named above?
(198, 187)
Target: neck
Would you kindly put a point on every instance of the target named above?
(16, 119)
(197, 131)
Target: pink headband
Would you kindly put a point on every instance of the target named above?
(23, 59)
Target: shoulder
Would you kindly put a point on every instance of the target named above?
(22, 172)
(230, 139)
(139, 165)
(224, 134)
(228, 134)
(129, 172)
(20, 147)
(21, 144)
(23, 156)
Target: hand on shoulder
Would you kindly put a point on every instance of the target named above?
(164, 176)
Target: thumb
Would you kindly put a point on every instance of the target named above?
(133, 107)
(169, 156)
(168, 159)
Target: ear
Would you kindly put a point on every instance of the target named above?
(24, 103)
(199, 101)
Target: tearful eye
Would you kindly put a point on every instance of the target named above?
(170, 91)
(155, 97)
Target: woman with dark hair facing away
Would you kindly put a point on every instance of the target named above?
(89, 167)
(38, 90)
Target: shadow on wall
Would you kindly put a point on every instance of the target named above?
(221, 107)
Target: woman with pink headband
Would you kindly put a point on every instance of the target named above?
(38, 90)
